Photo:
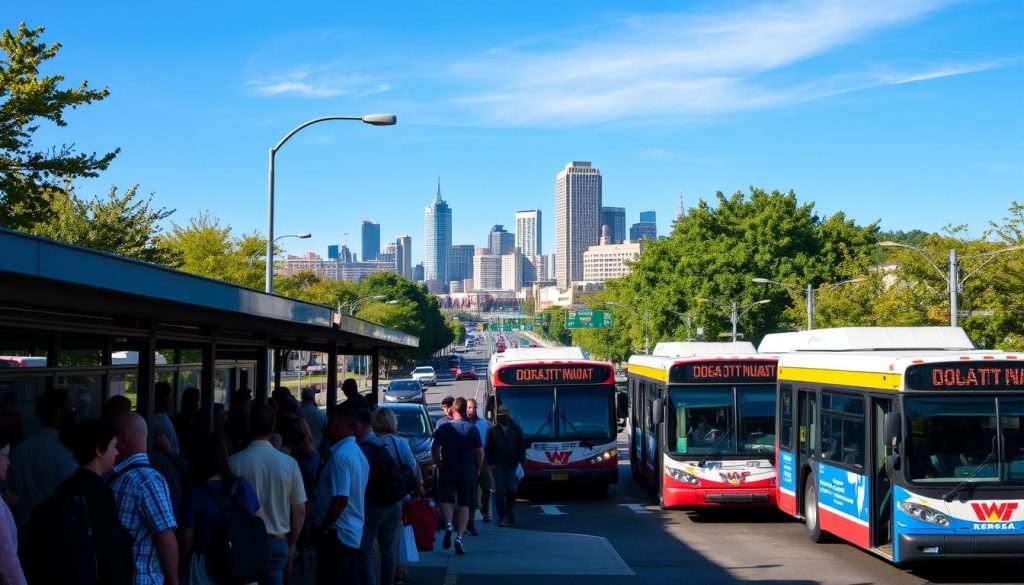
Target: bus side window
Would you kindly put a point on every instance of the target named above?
(786, 417)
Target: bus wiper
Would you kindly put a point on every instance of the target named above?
(991, 457)
(583, 440)
(714, 446)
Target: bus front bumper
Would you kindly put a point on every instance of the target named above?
(926, 547)
(703, 498)
(560, 476)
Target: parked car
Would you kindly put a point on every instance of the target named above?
(465, 372)
(416, 427)
(405, 391)
(425, 375)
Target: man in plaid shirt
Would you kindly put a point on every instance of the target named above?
(144, 505)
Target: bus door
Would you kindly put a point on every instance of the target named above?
(881, 495)
(807, 440)
(650, 434)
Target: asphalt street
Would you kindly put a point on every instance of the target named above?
(565, 537)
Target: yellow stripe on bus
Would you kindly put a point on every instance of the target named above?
(874, 380)
(648, 372)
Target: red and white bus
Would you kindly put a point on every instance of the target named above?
(566, 406)
(702, 424)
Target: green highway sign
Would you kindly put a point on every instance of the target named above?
(588, 319)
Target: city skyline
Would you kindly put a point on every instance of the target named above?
(888, 112)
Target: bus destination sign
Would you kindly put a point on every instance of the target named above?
(966, 376)
(534, 375)
(735, 372)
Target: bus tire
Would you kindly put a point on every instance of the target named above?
(811, 517)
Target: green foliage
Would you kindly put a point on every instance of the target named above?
(458, 331)
(426, 320)
(202, 246)
(554, 328)
(31, 178)
(121, 224)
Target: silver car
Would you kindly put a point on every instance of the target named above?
(405, 391)
(425, 375)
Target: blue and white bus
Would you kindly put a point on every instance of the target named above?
(907, 442)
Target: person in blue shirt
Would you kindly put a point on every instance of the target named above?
(484, 480)
(458, 453)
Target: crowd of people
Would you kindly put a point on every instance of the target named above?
(122, 500)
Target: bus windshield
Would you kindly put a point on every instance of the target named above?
(704, 420)
(953, 438)
(581, 412)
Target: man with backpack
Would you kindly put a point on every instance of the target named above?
(277, 479)
(458, 453)
(385, 491)
(144, 505)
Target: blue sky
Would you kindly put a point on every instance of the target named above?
(906, 112)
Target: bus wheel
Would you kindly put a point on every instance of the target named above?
(811, 519)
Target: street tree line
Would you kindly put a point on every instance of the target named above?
(39, 194)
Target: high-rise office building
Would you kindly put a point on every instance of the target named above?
(512, 273)
(577, 218)
(643, 231)
(487, 270)
(333, 252)
(437, 239)
(648, 217)
(500, 241)
(346, 255)
(403, 256)
(528, 228)
(601, 263)
(389, 254)
(371, 240)
(417, 272)
(615, 219)
(460, 262)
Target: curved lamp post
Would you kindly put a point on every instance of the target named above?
(736, 311)
(371, 119)
(954, 284)
(808, 291)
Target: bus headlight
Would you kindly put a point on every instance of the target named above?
(681, 476)
(601, 458)
(924, 513)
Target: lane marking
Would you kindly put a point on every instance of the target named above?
(636, 508)
(550, 509)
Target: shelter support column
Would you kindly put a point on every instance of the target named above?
(206, 382)
(144, 404)
(375, 373)
(332, 376)
(262, 376)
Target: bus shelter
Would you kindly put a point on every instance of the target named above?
(99, 325)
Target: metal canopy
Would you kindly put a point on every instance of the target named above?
(42, 281)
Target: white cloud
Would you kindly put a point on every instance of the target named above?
(673, 66)
(316, 82)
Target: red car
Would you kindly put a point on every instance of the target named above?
(465, 372)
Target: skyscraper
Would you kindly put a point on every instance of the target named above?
(615, 219)
(333, 252)
(437, 239)
(371, 240)
(643, 231)
(403, 256)
(460, 262)
(577, 218)
(528, 232)
(500, 241)
(648, 217)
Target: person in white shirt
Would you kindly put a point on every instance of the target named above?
(41, 462)
(314, 417)
(339, 509)
(277, 480)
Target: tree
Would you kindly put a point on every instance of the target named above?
(30, 178)
(122, 224)
(202, 246)
(428, 323)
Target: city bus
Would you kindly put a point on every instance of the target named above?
(701, 424)
(906, 441)
(566, 405)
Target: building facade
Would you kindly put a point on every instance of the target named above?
(648, 217)
(331, 269)
(403, 256)
(417, 272)
(528, 232)
(512, 270)
(643, 231)
(487, 271)
(460, 262)
(371, 240)
(577, 218)
(615, 219)
(437, 239)
(500, 241)
(601, 263)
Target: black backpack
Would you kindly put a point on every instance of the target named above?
(386, 484)
(238, 552)
(409, 480)
(61, 546)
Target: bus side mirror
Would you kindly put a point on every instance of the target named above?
(656, 411)
(622, 404)
(891, 430)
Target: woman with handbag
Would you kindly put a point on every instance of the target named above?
(385, 427)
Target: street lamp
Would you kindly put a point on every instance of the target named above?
(808, 291)
(352, 306)
(736, 311)
(954, 284)
(687, 318)
(371, 119)
(647, 339)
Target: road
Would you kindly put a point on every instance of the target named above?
(648, 545)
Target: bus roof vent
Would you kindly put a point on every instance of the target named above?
(703, 348)
(867, 339)
(518, 354)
